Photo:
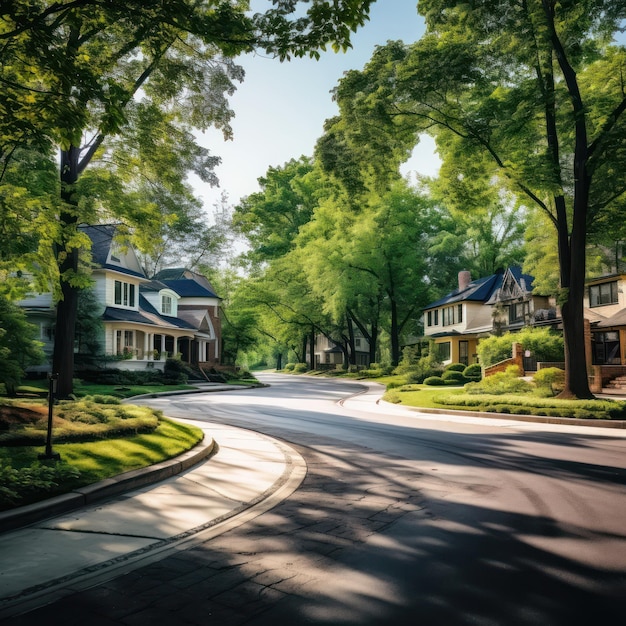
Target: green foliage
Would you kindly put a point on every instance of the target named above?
(18, 346)
(473, 371)
(453, 377)
(455, 367)
(417, 368)
(175, 372)
(299, 368)
(289, 367)
(85, 420)
(551, 378)
(501, 383)
(543, 343)
(434, 381)
(19, 485)
(527, 404)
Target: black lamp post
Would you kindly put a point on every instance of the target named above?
(49, 454)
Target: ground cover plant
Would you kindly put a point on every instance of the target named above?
(97, 437)
(507, 393)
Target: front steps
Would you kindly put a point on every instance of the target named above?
(616, 387)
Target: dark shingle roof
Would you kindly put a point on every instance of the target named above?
(101, 236)
(146, 314)
(189, 288)
(478, 290)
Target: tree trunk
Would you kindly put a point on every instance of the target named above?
(312, 355)
(351, 345)
(395, 339)
(279, 361)
(67, 260)
(373, 340)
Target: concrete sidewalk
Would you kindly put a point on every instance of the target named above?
(246, 475)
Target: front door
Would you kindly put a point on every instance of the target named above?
(464, 352)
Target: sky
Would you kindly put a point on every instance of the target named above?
(280, 108)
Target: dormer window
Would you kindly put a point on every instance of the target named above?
(124, 293)
(166, 305)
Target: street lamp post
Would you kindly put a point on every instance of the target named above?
(49, 454)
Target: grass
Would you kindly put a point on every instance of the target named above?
(120, 438)
(40, 388)
(455, 398)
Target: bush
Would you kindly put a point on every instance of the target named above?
(473, 371)
(543, 343)
(289, 367)
(434, 381)
(454, 367)
(175, 372)
(299, 368)
(500, 383)
(453, 377)
(19, 486)
(550, 378)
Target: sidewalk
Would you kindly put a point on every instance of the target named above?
(247, 474)
(170, 506)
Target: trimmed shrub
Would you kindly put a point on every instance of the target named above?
(473, 371)
(551, 378)
(454, 367)
(453, 377)
(434, 380)
(299, 368)
(289, 367)
(501, 383)
(175, 372)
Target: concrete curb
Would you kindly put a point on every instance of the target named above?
(537, 419)
(38, 511)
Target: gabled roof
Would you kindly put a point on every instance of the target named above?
(515, 284)
(181, 273)
(102, 236)
(479, 290)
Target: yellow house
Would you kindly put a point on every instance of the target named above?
(502, 301)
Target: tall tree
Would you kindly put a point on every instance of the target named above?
(73, 71)
(536, 89)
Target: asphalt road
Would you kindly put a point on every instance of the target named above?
(401, 519)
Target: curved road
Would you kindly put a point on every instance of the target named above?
(401, 519)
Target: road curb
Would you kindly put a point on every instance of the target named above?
(38, 511)
(537, 419)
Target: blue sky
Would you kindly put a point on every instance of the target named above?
(280, 108)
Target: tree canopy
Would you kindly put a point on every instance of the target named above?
(531, 91)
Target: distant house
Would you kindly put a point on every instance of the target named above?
(328, 353)
(478, 308)
(143, 321)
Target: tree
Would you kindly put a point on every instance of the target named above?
(74, 73)
(533, 88)
(18, 346)
(271, 218)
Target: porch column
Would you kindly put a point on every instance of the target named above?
(146, 346)
(175, 350)
(163, 353)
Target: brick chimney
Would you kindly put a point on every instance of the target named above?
(465, 278)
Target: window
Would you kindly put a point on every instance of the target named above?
(429, 317)
(605, 293)
(460, 313)
(124, 293)
(448, 315)
(518, 312)
(606, 349)
(166, 305)
(436, 318)
(443, 350)
(357, 343)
